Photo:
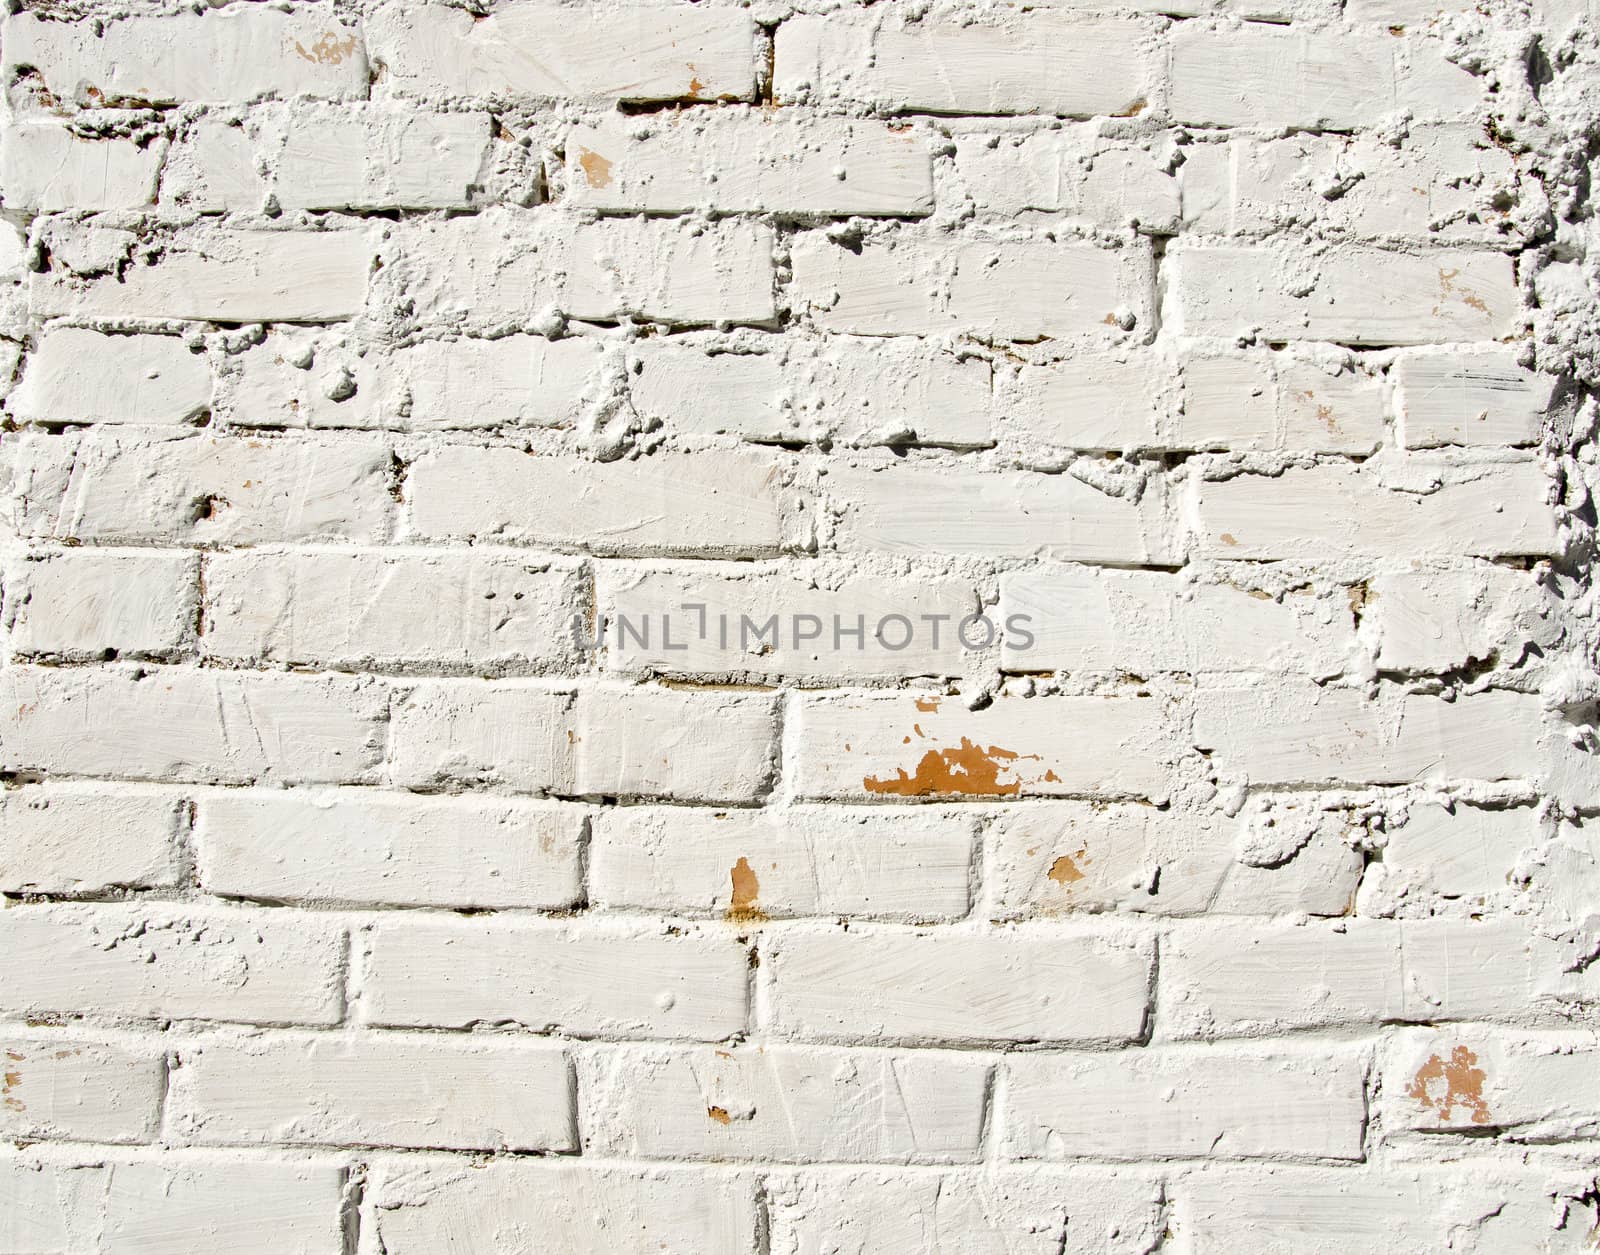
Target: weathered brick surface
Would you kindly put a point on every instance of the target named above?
(795, 628)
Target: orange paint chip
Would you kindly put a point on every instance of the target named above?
(742, 908)
(1064, 871)
(1463, 1085)
(928, 705)
(969, 770)
(596, 169)
(719, 1114)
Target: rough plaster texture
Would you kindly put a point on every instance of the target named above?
(1238, 357)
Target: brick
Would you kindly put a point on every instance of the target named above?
(1273, 401)
(430, 611)
(1465, 852)
(1056, 858)
(749, 160)
(898, 985)
(223, 276)
(784, 1103)
(769, 622)
(880, 747)
(47, 168)
(177, 724)
(1531, 1087)
(80, 838)
(393, 1089)
(1294, 733)
(1443, 620)
(710, 746)
(695, 506)
(504, 269)
(89, 604)
(921, 510)
(221, 57)
(1352, 295)
(213, 166)
(80, 376)
(856, 392)
(581, 980)
(1089, 402)
(67, 1087)
(1000, 1212)
(1039, 63)
(377, 849)
(254, 1207)
(1088, 177)
(543, 51)
(1081, 619)
(1491, 511)
(172, 962)
(380, 159)
(423, 1206)
(141, 487)
(1482, 397)
(748, 866)
(1007, 290)
(437, 385)
(1275, 1103)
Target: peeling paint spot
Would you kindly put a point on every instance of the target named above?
(1227, 539)
(742, 906)
(719, 1114)
(928, 705)
(596, 169)
(1065, 870)
(329, 50)
(968, 769)
(1463, 1085)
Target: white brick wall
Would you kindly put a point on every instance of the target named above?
(798, 628)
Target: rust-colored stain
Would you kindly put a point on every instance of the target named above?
(1227, 539)
(719, 1114)
(596, 168)
(1463, 1085)
(928, 705)
(968, 769)
(1065, 870)
(742, 906)
(329, 50)
(13, 1078)
(1447, 287)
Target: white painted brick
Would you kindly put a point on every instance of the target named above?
(1351, 295)
(421, 1207)
(749, 159)
(916, 511)
(886, 985)
(214, 167)
(883, 747)
(432, 611)
(393, 1089)
(139, 486)
(1441, 620)
(174, 723)
(695, 505)
(224, 276)
(538, 50)
(649, 629)
(1088, 619)
(85, 603)
(1294, 732)
(1537, 1087)
(1006, 290)
(372, 159)
(1304, 1103)
(1322, 1211)
(154, 1207)
(46, 168)
(67, 1087)
(582, 980)
(748, 866)
(1055, 858)
(635, 741)
(1103, 182)
(1489, 511)
(236, 55)
(1036, 63)
(1273, 401)
(72, 838)
(1469, 398)
(1031, 1211)
(80, 376)
(858, 392)
(380, 848)
(1464, 852)
(170, 961)
(1089, 402)
(784, 1103)
(498, 270)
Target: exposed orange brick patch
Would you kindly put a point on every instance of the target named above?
(1463, 1085)
(1065, 870)
(719, 1114)
(329, 50)
(742, 906)
(596, 169)
(968, 769)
